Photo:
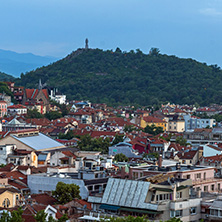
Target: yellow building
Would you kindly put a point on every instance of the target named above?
(150, 120)
(9, 197)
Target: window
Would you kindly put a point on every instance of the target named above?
(212, 187)
(179, 195)
(188, 176)
(90, 188)
(198, 175)
(176, 213)
(193, 210)
(218, 186)
(205, 188)
(6, 203)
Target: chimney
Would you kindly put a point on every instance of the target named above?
(130, 173)
(122, 172)
(160, 160)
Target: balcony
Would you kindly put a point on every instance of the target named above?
(208, 180)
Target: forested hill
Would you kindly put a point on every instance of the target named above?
(5, 77)
(130, 78)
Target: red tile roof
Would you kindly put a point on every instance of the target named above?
(39, 122)
(151, 119)
(14, 175)
(176, 146)
(17, 185)
(83, 202)
(7, 168)
(32, 93)
(69, 154)
(17, 106)
(213, 159)
(187, 155)
(44, 199)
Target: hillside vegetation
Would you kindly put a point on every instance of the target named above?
(130, 78)
(5, 77)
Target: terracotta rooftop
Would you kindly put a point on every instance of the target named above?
(32, 93)
(44, 199)
(151, 119)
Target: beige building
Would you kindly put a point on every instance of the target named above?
(175, 123)
(9, 197)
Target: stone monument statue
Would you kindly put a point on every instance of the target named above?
(87, 44)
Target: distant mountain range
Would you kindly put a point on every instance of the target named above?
(14, 63)
(116, 77)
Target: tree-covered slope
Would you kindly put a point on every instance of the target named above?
(5, 77)
(130, 78)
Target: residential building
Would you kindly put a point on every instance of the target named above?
(204, 136)
(188, 157)
(203, 177)
(3, 108)
(150, 120)
(17, 109)
(193, 122)
(89, 181)
(58, 97)
(165, 199)
(176, 123)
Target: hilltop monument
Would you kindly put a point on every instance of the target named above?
(87, 43)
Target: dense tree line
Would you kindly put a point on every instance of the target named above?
(5, 77)
(117, 77)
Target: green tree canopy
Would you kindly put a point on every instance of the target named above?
(153, 130)
(51, 115)
(34, 114)
(120, 157)
(182, 141)
(130, 78)
(118, 138)
(88, 143)
(64, 193)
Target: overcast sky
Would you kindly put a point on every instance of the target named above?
(185, 28)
